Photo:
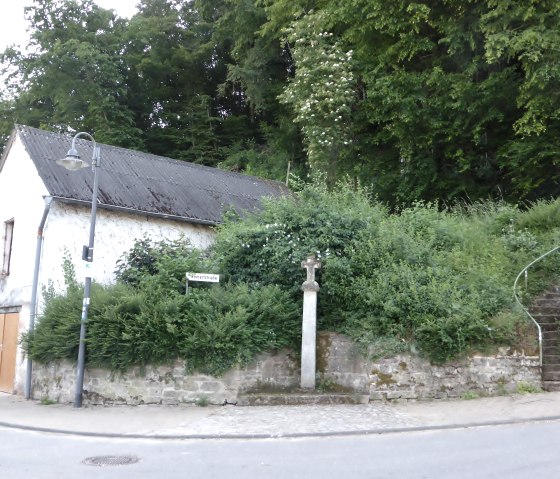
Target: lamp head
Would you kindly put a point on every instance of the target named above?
(72, 161)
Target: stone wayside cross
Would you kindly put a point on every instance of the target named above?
(309, 326)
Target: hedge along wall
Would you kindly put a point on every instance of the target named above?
(338, 362)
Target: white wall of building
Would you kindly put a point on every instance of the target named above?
(67, 230)
(21, 199)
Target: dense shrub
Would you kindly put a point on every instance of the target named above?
(148, 319)
(424, 275)
(160, 266)
(268, 247)
(436, 280)
(229, 325)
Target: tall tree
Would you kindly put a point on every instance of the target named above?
(169, 77)
(73, 77)
(525, 36)
(258, 68)
(450, 96)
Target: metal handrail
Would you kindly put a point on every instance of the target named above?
(524, 271)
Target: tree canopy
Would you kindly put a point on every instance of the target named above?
(442, 99)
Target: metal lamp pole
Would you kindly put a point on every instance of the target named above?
(73, 162)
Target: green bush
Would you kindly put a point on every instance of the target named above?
(425, 275)
(160, 266)
(56, 335)
(134, 328)
(268, 247)
(229, 325)
(423, 278)
(213, 329)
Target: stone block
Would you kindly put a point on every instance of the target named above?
(169, 394)
(405, 394)
(211, 386)
(377, 395)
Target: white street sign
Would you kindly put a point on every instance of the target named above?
(205, 277)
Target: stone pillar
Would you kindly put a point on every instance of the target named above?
(309, 326)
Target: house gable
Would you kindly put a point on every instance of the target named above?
(21, 204)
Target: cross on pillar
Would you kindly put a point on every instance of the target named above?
(309, 325)
(310, 264)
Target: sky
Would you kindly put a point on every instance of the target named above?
(13, 24)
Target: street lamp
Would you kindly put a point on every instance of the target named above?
(73, 162)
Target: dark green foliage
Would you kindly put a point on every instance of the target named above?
(438, 100)
(438, 281)
(160, 265)
(146, 318)
(133, 328)
(229, 325)
(425, 276)
(268, 247)
(56, 335)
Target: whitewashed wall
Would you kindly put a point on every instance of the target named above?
(66, 229)
(21, 192)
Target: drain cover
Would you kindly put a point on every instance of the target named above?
(110, 460)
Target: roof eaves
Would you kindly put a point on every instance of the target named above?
(135, 211)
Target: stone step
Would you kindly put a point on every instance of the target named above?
(552, 313)
(550, 335)
(545, 317)
(554, 327)
(551, 386)
(552, 292)
(550, 368)
(548, 301)
(551, 376)
(550, 359)
(300, 399)
(551, 342)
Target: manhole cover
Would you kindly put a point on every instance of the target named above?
(110, 460)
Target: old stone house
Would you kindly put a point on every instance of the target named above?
(45, 215)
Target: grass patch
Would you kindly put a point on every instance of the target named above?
(469, 395)
(202, 401)
(526, 388)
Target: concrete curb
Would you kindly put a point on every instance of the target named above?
(233, 436)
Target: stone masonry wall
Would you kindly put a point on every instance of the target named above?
(411, 377)
(168, 385)
(339, 366)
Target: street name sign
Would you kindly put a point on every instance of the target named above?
(204, 277)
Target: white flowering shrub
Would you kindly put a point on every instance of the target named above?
(322, 90)
(269, 246)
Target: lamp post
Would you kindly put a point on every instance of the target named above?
(73, 162)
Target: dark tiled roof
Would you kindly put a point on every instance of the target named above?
(143, 182)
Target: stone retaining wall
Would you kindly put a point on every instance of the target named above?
(340, 368)
(165, 384)
(411, 377)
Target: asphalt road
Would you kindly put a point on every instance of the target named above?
(513, 451)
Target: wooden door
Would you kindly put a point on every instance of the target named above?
(9, 327)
